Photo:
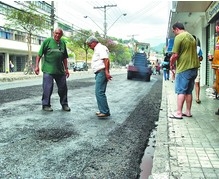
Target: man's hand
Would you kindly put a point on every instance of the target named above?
(67, 73)
(37, 70)
(171, 67)
(108, 77)
(107, 66)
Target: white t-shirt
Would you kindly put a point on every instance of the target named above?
(100, 52)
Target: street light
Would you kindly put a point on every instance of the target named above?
(116, 20)
(94, 22)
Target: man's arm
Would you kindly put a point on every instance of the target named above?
(65, 62)
(173, 59)
(107, 67)
(37, 69)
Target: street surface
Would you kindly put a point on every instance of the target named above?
(76, 144)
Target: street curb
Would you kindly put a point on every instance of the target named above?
(9, 77)
(161, 166)
(14, 78)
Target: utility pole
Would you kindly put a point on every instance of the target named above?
(72, 28)
(105, 24)
(52, 16)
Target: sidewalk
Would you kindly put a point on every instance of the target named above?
(187, 148)
(7, 77)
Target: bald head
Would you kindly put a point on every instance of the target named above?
(57, 34)
(59, 30)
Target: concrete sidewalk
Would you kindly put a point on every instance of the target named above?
(187, 148)
(7, 77)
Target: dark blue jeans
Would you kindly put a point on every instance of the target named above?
(166, 74)
(100, 90)
(48, 83)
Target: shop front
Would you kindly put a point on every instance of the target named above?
(212, 15)
(193, 16)
(18, 60)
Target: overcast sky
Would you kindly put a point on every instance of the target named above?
(146, 21)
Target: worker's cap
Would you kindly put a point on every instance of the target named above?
(91, 39)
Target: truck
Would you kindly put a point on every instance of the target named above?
(139, 67)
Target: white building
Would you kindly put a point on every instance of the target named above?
(13, 45)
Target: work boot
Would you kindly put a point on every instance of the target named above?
(47, 108)
(66, 108)
(217, 112)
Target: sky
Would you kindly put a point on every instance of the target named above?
(146, 21)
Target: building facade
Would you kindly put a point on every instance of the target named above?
(199, 19)
(13, 43)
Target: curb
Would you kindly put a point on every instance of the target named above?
(161, 165)
(14, 78)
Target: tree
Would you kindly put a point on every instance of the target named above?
(79, 40)
(28, 21)
(119, 54)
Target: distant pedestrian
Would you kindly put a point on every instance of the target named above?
(184, 53)
(197, 80)
(157, 66)
(153, 68)
(100, 64)
(54, 67)
(166, 66)
(11, 66)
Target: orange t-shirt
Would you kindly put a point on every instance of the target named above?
(215, 62)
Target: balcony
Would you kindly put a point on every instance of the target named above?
(12, 46)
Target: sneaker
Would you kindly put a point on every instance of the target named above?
(47, 108)
(66, 108)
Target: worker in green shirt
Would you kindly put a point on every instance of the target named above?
(54, 67)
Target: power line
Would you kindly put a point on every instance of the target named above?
(105, 24)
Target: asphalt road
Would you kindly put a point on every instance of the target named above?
(76, 144)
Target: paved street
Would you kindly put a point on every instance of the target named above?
(76, 144)
(187, 148)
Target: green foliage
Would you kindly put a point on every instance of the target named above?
(78, 44)
(159, 48)
(120, 54)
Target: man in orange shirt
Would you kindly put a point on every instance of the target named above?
(215, 62)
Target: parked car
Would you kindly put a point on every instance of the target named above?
(80, 66)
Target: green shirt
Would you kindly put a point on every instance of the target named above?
(185, 47)
(54, 54)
